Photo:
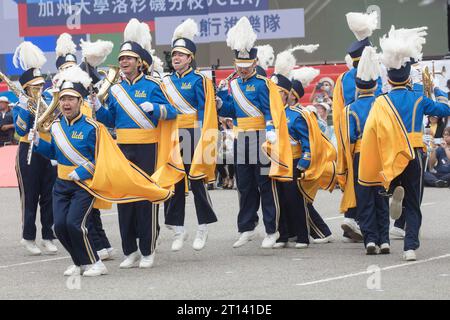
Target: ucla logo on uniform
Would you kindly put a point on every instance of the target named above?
(250, 88)
(140, 94)
(77, 135)
(186, 86)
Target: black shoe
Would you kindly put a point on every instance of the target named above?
(441, 184)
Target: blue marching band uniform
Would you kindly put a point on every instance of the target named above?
(135, 107)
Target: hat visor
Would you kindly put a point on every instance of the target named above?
(69, 92)
(182, 50)
(34, 82)
(243, 64)
(128, 53)
(67, 65)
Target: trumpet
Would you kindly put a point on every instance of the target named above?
(111, 78)
(427, 81)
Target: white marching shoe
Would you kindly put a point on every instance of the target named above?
(200, 240)
(397, 233)
(385, 248)
(49, 247)
(244, 238)
(270, 240)
(95, 270)
(31, 247)
(300, 245)
(371, 248)
(324, 240)
(351, 227)
(178, 240)
(106, 254)
(409, 255)
(72, 270)
(147, 261)
(396, 207)
(130, 261)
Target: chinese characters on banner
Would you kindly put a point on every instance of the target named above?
(271, 24)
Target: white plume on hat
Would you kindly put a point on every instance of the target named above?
(349, 61)
(188, 29)
(266, 56)
(285, 63)
(401, 45)
(308, 48)
(241, 37)
(362, 24)
(28, 56)
(305, 75)
(146, 37)
(65, 45)
(136, 32)
(75, 75)
(158, 65)
(369, 65)
(96, 52)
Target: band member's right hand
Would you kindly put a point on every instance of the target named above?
(271, 136)
(23, 101)
(33, 137)
(222, 84)
(219, 103)
(95, 103)
(147, 106)
(74, 176)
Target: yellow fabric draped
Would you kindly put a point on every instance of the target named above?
(321, 173)
(116, 179)
(170, 167)
(337, 109)
(204, 159)
(345, 163)
(280, 154)
(385, 147)
(86, 109)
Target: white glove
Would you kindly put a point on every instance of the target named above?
(223, 84)
(147, 107)
(271, 136)
(74, 176)
(219, 103)
(95, 103)
(33, 137)
(54, 163)
(23, 101)
(427, 139)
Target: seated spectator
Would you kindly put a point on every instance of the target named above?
(440, 162)
(225, 165)
(6, 123)
(323, 110)
(437, 126)
(323, 92)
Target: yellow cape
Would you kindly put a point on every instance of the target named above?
(321, 173)
(345, 163)
(204, 159)
(116, 179)
(385, 147)
(280, 154)
(337, 109)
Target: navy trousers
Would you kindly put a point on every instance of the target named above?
(35, 186)
(175, 208)
(139, 220)
(412, 181)
(318, 229)
(72, 206)
(373, 213)
(98, 233)
(254, 185)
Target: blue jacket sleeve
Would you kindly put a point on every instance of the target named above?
(264, 104)
(91, 141)
(46, 149)
(200, 93)
(22, 121)
(302, 134)
(441, 108)
(163, 110)
(107, 116)
(379, 87)
(353, 127)
(227, 109)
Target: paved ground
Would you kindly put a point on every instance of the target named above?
(328, 271)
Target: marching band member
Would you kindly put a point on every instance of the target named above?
(37, 179)
(362, 25)
(193, 97)
(301, 78)
(91, 171)
(392, 144)
(371, 206)
(135, 108)
(259, 114)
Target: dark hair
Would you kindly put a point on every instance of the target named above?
(441, 124)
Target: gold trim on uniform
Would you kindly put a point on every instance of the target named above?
(251, 123)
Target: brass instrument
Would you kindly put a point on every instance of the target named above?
(35, 93)
(442, 72)
(111, 78)
(427, 82)
(12, 86)
(50, 114)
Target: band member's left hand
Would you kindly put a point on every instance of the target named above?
(33, 137)
(219, 103)
(271, 136)
(74, 176)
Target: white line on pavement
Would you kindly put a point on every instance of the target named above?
(33, 262)
(350, 275)
(427, 204)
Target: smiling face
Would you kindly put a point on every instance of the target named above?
(181, 61)
(129, 66)
(70, 106)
